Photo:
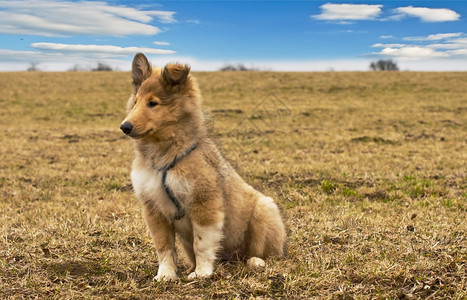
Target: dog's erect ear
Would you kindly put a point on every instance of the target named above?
(140, 70)
(174, 74)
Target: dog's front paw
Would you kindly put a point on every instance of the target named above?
(200, 273)
(166, 275)
(194, 275)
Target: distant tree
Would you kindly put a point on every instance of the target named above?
(102, 67)
(241, 67)
(33, 67)
(384, 65)
(228, 68)
(238, 67)
(77, 68)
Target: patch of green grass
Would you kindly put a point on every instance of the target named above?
(328, 186)
(348, 192)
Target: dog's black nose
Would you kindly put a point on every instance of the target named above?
(126, 127)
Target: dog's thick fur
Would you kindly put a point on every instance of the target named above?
(224, 215)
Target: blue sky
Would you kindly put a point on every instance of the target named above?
(268, 35)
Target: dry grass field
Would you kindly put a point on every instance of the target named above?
(369, 168)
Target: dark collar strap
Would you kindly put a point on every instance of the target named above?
(180, 211)
(179, 158)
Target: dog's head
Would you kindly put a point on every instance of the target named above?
(161, 99)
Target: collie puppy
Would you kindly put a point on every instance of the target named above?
(186, 187)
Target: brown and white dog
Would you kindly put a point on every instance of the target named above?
(185, 185)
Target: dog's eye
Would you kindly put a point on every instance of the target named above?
(152, 103)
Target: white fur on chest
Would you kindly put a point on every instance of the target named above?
(148, 187)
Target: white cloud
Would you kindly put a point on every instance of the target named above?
(460, 41)
(411, 53)
(161, 43)
(379, 45)
(441, 45)
(386, 36)
(7, 55)
(193, 22)
(459, 52)
(445, 46)
(429, 14)
(433, 37)
(98, 50)
(163, 16)
(348, 12)
(452, 48)
(65, 18)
